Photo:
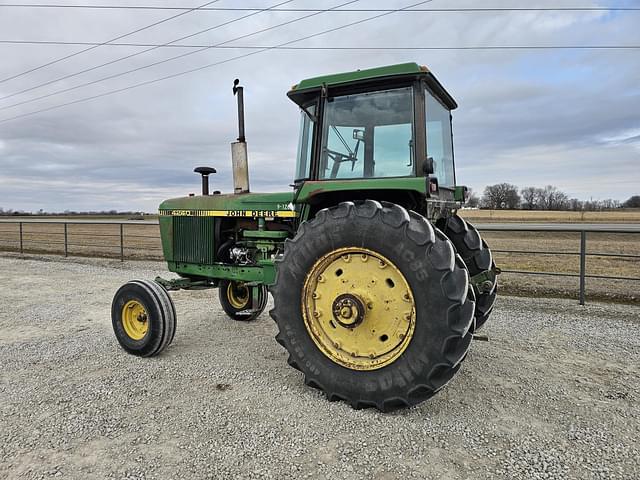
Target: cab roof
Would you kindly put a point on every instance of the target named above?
(301, 92)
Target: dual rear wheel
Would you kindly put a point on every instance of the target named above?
(373, 305)
(477, 257)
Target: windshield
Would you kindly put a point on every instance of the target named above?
(439, 141)
(303, 168)
(368, 135)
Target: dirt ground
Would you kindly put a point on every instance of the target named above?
(553, 393)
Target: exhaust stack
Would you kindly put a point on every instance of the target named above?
(239, 156)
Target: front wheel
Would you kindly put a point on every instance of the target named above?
(373, 305)
(237, 300)
(143, 318)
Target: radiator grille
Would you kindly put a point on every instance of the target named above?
(193, 240)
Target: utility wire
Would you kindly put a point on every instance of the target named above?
(105, 43)
(160, 62)
(254, 47)
(126, 57)
(364, 10)
(210, 65)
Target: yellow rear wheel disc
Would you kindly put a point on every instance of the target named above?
(135, 320)
(358, 308)
(238, 295)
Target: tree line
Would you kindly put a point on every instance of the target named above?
(67, 213)
(504, 196)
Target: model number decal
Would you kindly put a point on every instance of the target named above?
(230, 213)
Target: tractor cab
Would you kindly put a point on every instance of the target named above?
(389, 122)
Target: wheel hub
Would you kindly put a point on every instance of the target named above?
(238, 295)
(358, 308)
(135, 320)
(348, 310)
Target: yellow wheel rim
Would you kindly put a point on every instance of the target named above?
(358, 308)
(135, 320)
(238, 295)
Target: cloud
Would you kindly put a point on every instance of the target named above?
(528, 117)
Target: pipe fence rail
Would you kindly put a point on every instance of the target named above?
(136, 240)
(582, 274)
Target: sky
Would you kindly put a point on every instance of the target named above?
(570, 118)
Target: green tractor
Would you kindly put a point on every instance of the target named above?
(378, 286)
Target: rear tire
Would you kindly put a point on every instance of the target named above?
(143, 318)
(477, 257)
(235, 298)
(438, 283)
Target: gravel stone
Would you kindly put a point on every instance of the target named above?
(553, 394)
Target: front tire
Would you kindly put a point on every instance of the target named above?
(427, 327)
(237, 302)
(143, 318)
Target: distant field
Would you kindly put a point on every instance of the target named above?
(614, 216)
(143, 242)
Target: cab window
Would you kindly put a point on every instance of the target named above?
(368, 135)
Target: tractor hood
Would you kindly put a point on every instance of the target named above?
(231, 205)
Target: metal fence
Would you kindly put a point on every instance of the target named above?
(141, 240)
(582, 253)
(135, 240)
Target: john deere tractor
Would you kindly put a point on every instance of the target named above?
(378, 286)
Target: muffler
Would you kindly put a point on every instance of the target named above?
(239, 156)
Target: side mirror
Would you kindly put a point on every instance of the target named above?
(358, 134)
(428, 166)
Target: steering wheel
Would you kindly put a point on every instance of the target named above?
(338, 158)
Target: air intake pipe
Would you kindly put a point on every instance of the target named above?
(205, 172)
(239, 157)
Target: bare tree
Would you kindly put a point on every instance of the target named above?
(553, 199)
(575, 205)
(531, 197)
(501, 196)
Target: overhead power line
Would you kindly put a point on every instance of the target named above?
(115, 39)
(143, 67)
(254, 47)
(364, 10)
(126, 57)
(210, 65)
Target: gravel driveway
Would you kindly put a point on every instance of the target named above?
(554, 393)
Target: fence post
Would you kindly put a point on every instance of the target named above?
(21, 242)
(583, 264)
(122, 242)
(66, 243)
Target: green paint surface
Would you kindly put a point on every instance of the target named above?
(359, 75)
(312, 188)
(245, 201)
